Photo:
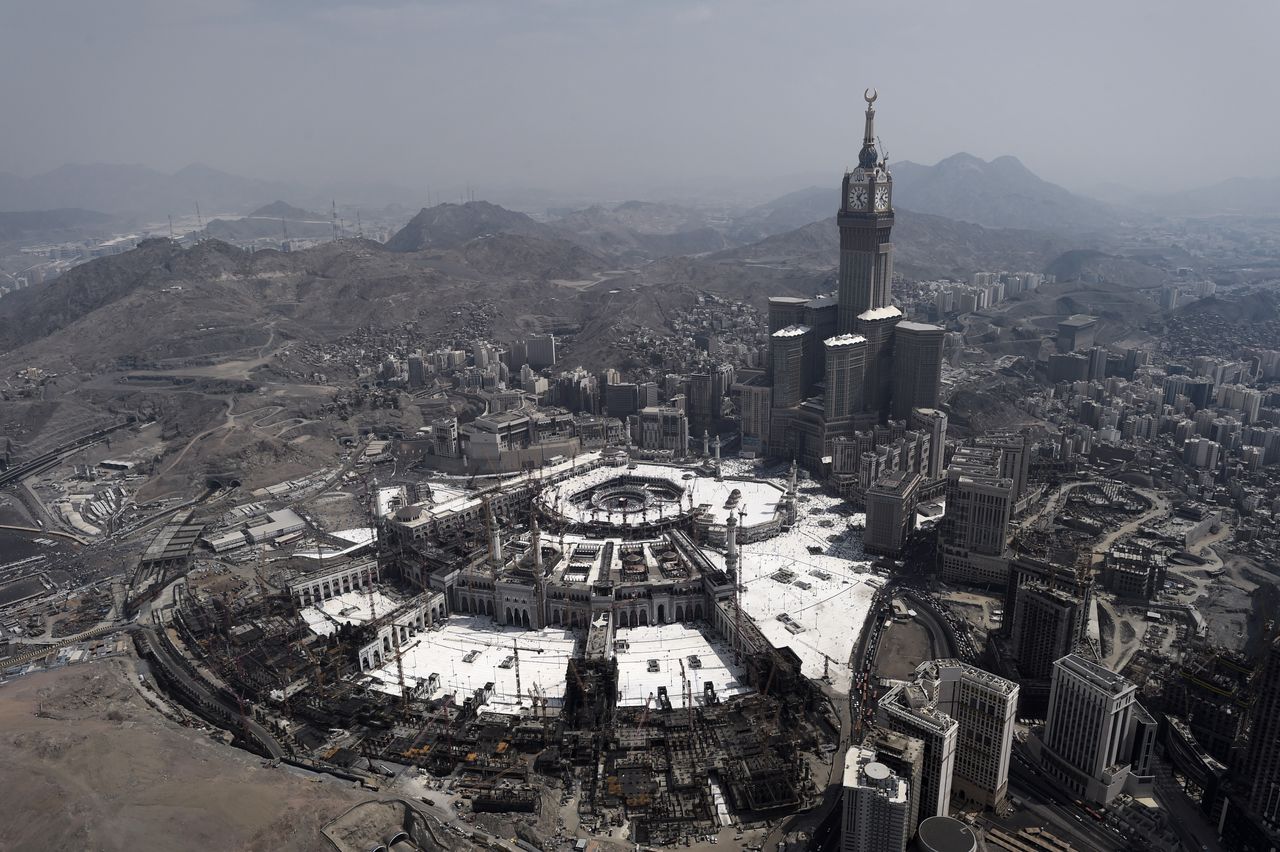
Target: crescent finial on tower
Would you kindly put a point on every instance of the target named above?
(870, 95)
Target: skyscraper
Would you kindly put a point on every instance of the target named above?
(934, 423)
(877, 325)
(754, 398)
(788, 365)
(876, 805)
(846, 372)
(984, 706)
(904, 756)
(865, 221)
(917, 367)
(891, 511)
(1260, 769)
(974, 534)
(964, 716)
(1095, 731)
(1046, 622)
(850, 377)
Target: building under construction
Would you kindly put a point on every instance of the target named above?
(621, 668)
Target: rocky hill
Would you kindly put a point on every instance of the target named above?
(283, 210)
(1002, 193)
(450, 226)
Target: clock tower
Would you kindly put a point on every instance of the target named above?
(865, 219)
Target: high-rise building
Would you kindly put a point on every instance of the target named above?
(840, 366)
(865, 220)
(876, 805)
(985, 707)
(910, 709)
(1075, 333)
(974, 534)
(788, 346)
(1260, 769)
(754, 399)
(541, 351)
(622, 399)
(917, 367)
(1015, 457)
(846, 372)
(878, 326)
(785, 311)
(706, 397)
(891, 512)
(904, 756)
(1046, 624)
(1095, 733)
(662, 428)
(932, 422)
(965, 717)
(417, 371)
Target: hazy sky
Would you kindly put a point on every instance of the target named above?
(607, 95)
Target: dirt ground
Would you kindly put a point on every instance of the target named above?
(85, 763)
(903, 646)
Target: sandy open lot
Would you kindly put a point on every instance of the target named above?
(85, 763)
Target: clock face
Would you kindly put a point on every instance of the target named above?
(882, 198)
(858, 198)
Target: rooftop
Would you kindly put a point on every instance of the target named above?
(845, 340)
(705, 656)
(908, 325)
(887, 312)
(1095, 674)
(792, 331)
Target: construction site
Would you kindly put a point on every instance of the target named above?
(554, 674)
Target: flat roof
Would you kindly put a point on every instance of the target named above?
(818, 606)
(544, 661)
(1079, 320)
(908, 325)
(1095, 674)
(668, 645)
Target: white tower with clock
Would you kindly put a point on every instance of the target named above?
(865, 220)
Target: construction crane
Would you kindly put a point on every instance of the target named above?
(644, 714)
(395, 641)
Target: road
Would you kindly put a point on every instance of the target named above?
(1041, 797)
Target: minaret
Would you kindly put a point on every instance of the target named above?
(495, 536)
(865, 219)
(706, 444)
(539, 578)
(535, 544)
(715, 445)
(790, 501)
(731, 545)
